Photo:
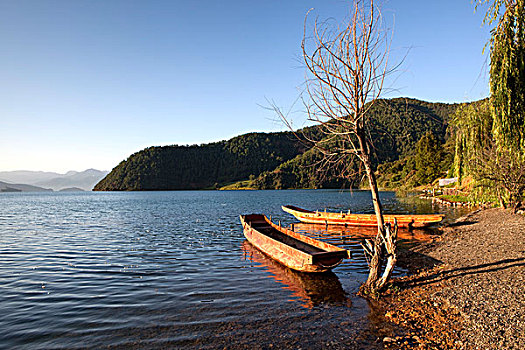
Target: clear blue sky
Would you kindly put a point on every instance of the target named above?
(83, 84)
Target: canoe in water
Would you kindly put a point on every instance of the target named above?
(292, 249)
(403, 220)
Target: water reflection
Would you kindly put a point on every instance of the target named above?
(341, 235)
(310, 289)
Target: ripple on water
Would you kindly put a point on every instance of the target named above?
(172, 269)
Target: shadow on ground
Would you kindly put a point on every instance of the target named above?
(443, 274)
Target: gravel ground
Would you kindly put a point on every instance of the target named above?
(479, 270)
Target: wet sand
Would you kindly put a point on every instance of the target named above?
(466, 288)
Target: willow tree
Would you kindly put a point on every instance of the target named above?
(472, 127)
(502, 164)
(346, 69)
(507, 73)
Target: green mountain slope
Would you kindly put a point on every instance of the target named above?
(201, 166)
(396, 124)
(274, 160)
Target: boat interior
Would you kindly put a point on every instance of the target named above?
(265, 228)
(297, 209)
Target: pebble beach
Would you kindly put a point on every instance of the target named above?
(466, 289)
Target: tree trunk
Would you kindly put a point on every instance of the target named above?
(390, 244)
(365, 157)
(386, 237)
(383, 246)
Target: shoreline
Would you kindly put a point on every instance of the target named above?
(465, 289)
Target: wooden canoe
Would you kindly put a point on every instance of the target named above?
(327, 218)
(290, 248)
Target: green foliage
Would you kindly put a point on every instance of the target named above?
(204, 166)
(472, 130)
(429, 154)
(490, 135)
(301, 172)
(498, 172)
(455, 198)
(396, 126)
(493, 11)
(507, 76)
(239, 185)
(398, 174)
(428, 161)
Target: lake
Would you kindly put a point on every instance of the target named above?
(173, 270)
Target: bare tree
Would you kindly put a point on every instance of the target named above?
(346, 70)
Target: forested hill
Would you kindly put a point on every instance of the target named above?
(396, 126)
(272, 160)
(202, 166)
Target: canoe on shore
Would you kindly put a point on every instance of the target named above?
(403, 220)
(292, 249)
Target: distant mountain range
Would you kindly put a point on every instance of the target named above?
(31, 181)
(10, 187)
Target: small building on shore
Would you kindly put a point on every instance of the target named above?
(445, 182)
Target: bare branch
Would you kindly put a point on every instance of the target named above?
(346, 70)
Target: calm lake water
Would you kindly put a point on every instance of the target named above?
(173, 270)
